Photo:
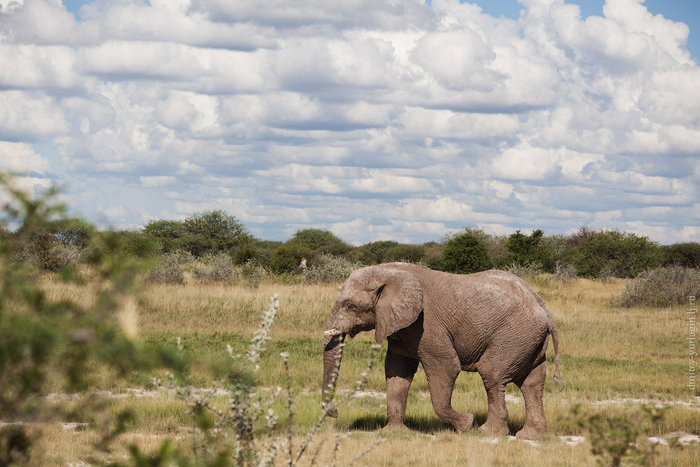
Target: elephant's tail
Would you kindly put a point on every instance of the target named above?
(555, 341)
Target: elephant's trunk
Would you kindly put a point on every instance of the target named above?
(332, 354)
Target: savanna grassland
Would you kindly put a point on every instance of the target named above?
(622, 367)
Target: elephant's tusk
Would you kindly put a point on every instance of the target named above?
(331, 332)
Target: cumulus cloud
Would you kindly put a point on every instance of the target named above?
(395, 119)
(21, 157)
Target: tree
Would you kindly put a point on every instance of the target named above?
(287, 258)
(682, 254)
(614, 253)
(164, 229)
(216, 225)
(75, 232)
(319, 241)
(464, 254)
(200, 234)
(529, 249)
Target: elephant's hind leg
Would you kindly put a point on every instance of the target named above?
(442, 374)
(399, 371)
(532, 388)
(497, 418)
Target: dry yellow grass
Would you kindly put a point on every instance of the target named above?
(609, 355)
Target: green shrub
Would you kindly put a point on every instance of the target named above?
(666, 286)
(372, 252)
(167, 233)
(405, 253)
(530, 249)
(136, 244)
(495, 246)
(287, 258)
(682, 254)
(616, 254)
(319, 242)
(208, 232)
(432, 257)
(329, 268)
(464, 254)
(386, 251)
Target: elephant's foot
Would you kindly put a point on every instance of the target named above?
(463, 422)
(490, 428)
(392, 426)
(530, 432)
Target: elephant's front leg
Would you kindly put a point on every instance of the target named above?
(399, 371)
(442, 372)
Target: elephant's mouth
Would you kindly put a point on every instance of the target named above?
(333, 333)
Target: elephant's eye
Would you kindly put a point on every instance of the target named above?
(351, 306)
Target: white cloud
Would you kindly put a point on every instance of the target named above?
(377, 181)
(35, 67)
(441, 208)
(156, 181)
(21, 157)
(26, 116)
(301, 113)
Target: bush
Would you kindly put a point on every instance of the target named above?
(253, 272)
(170, 269)
(209, 232)
(682, 254)
(624, 439)
(617, 254)
(573, 240)
(528, 271)
(564, 272)
(464, 254)
(432, 258)
(44, 251)
(67, 344)
(386, 251)
(216, 268)
(75, 232)
(405, 253)
(372, 252)
(659, 287)
(136, 244)
(329, 268)
(529, 249)
(319, 242)
(287, 258)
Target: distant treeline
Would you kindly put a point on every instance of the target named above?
(587, 252)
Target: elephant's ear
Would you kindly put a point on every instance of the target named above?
(399, 301)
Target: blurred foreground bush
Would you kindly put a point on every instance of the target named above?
(62, 345)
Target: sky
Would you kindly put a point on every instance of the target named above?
(399, 120)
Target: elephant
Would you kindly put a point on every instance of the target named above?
(489, 322)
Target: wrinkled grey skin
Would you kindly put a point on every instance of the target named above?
(491, 322)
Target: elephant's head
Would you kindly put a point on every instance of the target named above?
(385, 298)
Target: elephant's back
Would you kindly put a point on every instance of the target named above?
(495, 301)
